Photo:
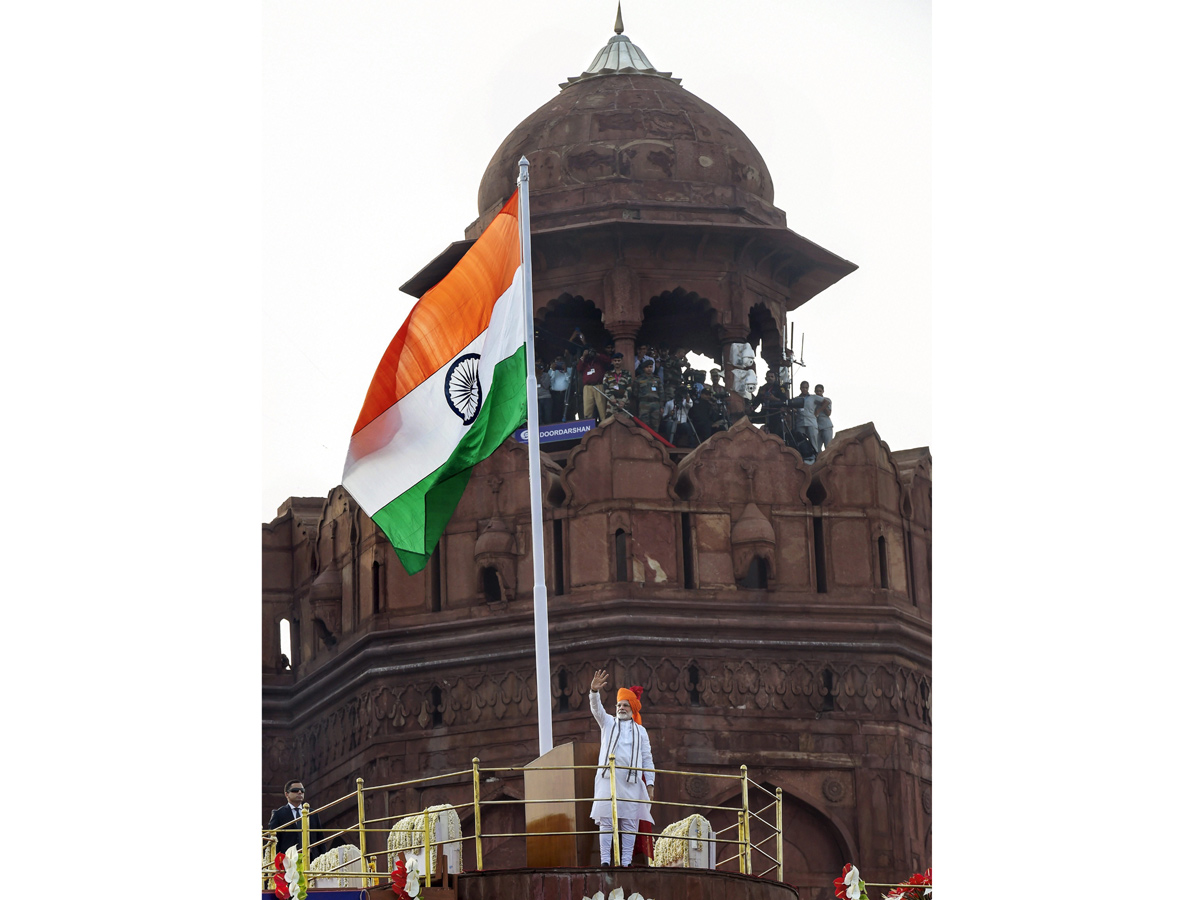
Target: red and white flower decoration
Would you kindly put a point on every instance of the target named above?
(848, 886)
(918, 887)
(288, 883)
(406, 880)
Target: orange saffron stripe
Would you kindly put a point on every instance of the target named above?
(448, 316)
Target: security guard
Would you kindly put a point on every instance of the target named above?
(617, 382)
(648, 390)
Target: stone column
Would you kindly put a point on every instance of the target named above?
(728, 335)
(622, 311)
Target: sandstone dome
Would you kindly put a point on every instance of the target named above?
(622, 123)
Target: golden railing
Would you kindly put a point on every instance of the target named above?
(745, 844)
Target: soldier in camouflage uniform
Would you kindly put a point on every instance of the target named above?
(617, 383)
(648, 390)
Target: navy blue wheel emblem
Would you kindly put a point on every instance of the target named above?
(464, 393)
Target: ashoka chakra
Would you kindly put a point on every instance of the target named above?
(463, 390)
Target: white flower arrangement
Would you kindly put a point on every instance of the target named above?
(671, 849)
(408, 834)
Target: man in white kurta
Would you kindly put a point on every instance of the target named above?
(626, 739)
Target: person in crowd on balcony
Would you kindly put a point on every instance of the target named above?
(285, 821)
(673, 366)
(806, 406)
(591, 368)
(617, 384)
(824, 411)
(648, 391)
(622, 737)
(704, 415)
(543, 392)
(559, 382)
(771, 399)
(675, 425)
(643, 354)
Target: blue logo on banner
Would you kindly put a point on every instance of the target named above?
(558, 431)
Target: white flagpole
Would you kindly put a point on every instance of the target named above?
(541, 635)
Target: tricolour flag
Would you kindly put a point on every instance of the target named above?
(448, 391)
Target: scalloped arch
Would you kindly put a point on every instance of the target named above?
(681, 317)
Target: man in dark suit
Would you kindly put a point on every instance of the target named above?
(286, 820)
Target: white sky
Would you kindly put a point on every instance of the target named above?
(380, 117)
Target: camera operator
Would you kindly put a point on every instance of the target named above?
(772, 400)
(675, 417)
(704, 415)
(673, 366)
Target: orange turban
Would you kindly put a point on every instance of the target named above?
(633, 694)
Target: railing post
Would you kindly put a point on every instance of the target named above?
(362, 829)
(304, 838)
(612, 793)
(478, 815)
(746, 814)
(428, 873)
(741, 842)
(779, 832)
(269, 877)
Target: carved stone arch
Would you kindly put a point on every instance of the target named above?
(556, 321)
(745, 464)
(765, 333)
(618, 460)
(681, 317)
(752, 539)
(817, 842)
(857, 470)
(490, 584)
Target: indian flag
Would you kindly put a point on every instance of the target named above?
(448, 391)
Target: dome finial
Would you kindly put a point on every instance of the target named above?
(619, 55)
